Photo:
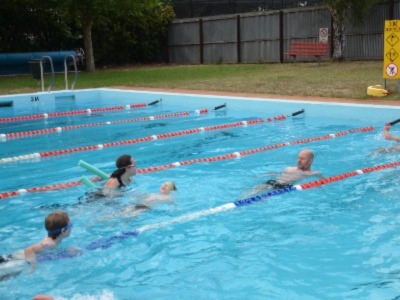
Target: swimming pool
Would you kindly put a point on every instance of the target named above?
(337, 240)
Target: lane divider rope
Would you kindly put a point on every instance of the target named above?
(87, 111)
(31, 133)
(238, 154)
(233, 155)
(105, 243)
(140, 140)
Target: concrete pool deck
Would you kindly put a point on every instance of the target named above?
(372, 101)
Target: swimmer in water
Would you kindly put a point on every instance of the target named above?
(148, 202)
(393, 149)
(119, 179)
(58, 227)
(122, 176)
(292, 175)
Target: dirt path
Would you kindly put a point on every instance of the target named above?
(373, 101)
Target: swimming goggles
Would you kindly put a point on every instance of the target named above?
(58, 230)
(128, 166)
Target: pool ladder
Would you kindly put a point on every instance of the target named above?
(66, 71)
(43, 59)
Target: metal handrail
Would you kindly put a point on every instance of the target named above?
(66, 71)
(41, 72)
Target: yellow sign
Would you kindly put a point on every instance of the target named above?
(391, 49)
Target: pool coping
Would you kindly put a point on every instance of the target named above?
(374, 101)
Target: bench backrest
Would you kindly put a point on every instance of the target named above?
(311, 47)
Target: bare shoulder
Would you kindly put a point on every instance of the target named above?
(312, 172)
(47, 243)
(111, 183)
(290, 170)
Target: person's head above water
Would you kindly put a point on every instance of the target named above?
(167, 187)
(126, 168)
(305, 160)
(125, 164)
(58, 223)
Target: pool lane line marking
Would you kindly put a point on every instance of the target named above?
(141, 139)
(31, 133)
(86, 111)
(105, 243)
(239, 154)
(233, 155)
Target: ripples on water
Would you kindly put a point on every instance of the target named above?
(336, 241)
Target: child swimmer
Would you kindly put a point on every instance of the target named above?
(148, 201)
(58, 227)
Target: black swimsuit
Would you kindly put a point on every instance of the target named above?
(276, 185)
(3, 260)
(141, 206)
(6, 258)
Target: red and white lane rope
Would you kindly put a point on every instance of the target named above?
(233, 155)
(140, 140)
(87, 111)
(252, 151)
(32, 133)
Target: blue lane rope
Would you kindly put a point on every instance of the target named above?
(62, 254)
(106, 243)
(261, 197)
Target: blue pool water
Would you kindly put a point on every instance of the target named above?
(335, 241)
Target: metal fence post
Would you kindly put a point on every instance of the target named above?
(239, 59)
(201, 41)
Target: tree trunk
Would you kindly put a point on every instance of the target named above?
(339, 34)
(87, 40)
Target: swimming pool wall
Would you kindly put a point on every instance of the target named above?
(47, 101)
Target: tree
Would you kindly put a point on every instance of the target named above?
(119, 28)
(85, 12)
(115, 31)
(341, 10)
(29, 25)
(132, 33)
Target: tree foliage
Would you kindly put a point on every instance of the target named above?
(133, 33)
(29, 25)
(112, 31)
(342, 11)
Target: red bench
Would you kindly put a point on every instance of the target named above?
(307, 49)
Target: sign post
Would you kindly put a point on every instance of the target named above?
(391, 51)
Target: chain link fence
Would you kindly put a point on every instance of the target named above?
(202, 8)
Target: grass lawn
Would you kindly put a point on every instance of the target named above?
(326, 79)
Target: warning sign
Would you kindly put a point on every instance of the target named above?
(323, 35)
(391, 49)
(391, 70)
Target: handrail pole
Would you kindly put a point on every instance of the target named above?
(66, 71)
(41, 74)
(76, 72)
(52, 73)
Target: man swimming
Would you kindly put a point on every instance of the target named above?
(292, 175)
